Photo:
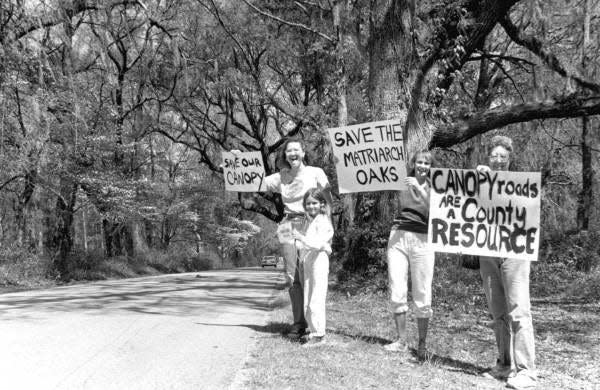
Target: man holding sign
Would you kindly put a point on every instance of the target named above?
(495, 214)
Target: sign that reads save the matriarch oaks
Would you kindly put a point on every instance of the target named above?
(370, 156)
(243, 172)
(490, 213)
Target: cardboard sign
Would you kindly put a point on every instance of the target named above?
(370, 156)
(243, 172)
(493, 214)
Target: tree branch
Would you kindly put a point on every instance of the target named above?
(534, 45)
(288, 23)
(468, 126)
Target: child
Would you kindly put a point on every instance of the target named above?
(315, 247)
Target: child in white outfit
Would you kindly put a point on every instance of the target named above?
(315, 247)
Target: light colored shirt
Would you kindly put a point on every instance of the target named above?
(318, 234)
(293, 188)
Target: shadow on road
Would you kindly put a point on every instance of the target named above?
(179, 295)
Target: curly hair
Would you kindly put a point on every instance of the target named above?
(500, 140)
(424, 152)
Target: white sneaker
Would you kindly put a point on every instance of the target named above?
(396, 346)
(499, 372)
(522, 381)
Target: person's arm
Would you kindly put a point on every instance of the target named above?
(319, 236)
(323, 183)
(419, 192)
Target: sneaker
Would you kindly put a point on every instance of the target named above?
(396, 346)
(499, 372)
(313, 341)
(296, 333)
(521, 381)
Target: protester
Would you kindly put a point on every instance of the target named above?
(315, 247)
(506, 287)
(408, 249)
(293, 181)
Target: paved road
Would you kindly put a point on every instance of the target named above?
(167, 332)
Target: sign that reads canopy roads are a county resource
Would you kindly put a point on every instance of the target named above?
(370, 156)
(243, 172)
(485, 213)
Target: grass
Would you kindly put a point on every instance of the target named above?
(462, 344)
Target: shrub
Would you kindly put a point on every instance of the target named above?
(20, 267)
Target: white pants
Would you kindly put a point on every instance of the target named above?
(316, 272)
(410, 249)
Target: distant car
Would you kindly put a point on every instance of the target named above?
(268, 260)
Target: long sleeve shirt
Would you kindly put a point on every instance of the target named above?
(318, 234)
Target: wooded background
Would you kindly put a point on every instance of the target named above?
(113, 115)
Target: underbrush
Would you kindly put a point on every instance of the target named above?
(24, 269)
(93, 266)
(20, 268)
(549, 279)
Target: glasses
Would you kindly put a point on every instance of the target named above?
(499, 157)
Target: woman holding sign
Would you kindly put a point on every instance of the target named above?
(293, 181)
(506, 287)
(408, 249)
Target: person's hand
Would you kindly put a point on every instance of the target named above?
(235, 151)
(483, 168)
(411, 181)
(297, 235)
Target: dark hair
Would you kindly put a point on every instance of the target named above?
(413, 159)
(281, 161)
(318, 194)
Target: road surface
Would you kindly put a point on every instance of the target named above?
(186, 331)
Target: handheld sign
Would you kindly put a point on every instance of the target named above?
(285, 233)
(370, 156)
(496, 213)
(243, 172)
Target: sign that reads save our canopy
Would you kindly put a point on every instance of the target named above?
(485, 213)
(370, 156)
(243, 172)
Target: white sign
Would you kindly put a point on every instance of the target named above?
(243, 172)
(370, 156)
(496, 213)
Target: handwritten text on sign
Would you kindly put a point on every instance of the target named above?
(243, 172)
(370, 156)
(488, 214)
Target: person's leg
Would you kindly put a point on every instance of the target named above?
(309, 285)
(494, 293)
(397, 261)
(294, 279)
(318, 296)
(422, 261)
(515, 275)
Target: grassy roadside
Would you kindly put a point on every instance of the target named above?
(567, 341)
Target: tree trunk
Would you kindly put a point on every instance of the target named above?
(62, 240)
(22, 202)
(584, 201)
(390, 54)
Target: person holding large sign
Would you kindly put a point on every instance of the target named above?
(408, 249)
(293, 181)
(506, 287)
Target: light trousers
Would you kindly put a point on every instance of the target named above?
(294, 275)
(506, 287)
(316, 273)
(408, 250)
